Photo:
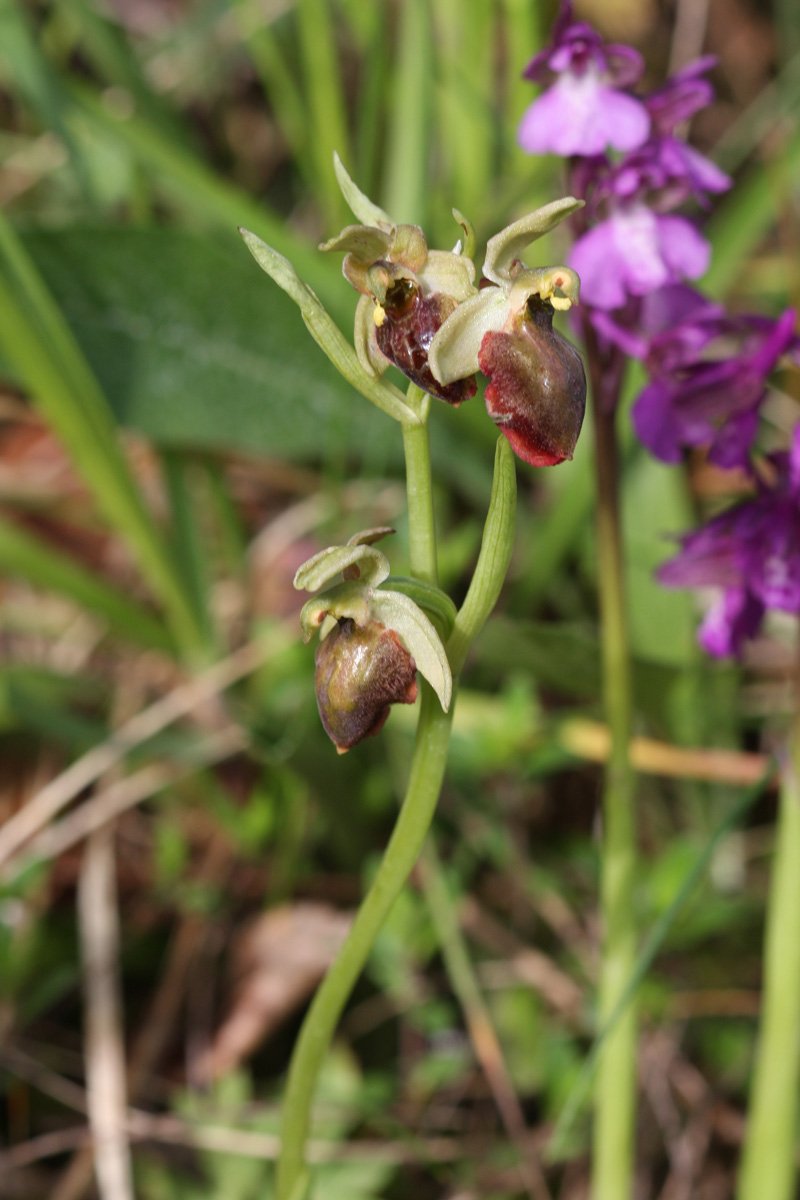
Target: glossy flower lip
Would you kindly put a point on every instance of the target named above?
(360, 672)
(537, 390)
(407, 292)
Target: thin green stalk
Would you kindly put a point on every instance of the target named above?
(421, 524)
(425, 781)
(424, 784)
(615, 1089)
(769, 1158)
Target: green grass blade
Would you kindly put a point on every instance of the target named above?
(216, 201)
(327, 118)
(36, 83)
(280, 86)
(39, 346)
(523, 34)
(465, 46)
(655, 939)
(407, 185)
(30, 558)
(745, 217)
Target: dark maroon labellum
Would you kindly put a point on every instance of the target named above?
(405, 335)
(537, 393)
(360, 672)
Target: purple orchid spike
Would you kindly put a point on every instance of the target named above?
(583, 111)
(694, 402)
(752, 553)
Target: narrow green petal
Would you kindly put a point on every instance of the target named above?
(348, 599)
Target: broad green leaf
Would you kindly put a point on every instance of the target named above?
(36, 339)
(193, 347)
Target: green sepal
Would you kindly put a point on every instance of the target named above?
(373, 566)
(436, 603)
(327, 334)
(453, 352)
(368, 537)
(418, 635)
(504, 247)
(364, 242)
(360, 205)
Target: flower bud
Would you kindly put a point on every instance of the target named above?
(360, 672)
(537, 393)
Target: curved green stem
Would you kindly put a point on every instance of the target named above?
(424, 784)
(769, 1158)
(425, 781)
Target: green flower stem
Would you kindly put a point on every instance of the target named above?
(419, 488)
(615, 1088)
(424, 784)
(769, 1159)
(416, 814)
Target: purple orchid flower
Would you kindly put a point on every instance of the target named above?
(692, 401)
(635, 251)
(684, 94)
(751, 552)
(583, 111)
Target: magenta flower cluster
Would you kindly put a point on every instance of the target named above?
(708, 368)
